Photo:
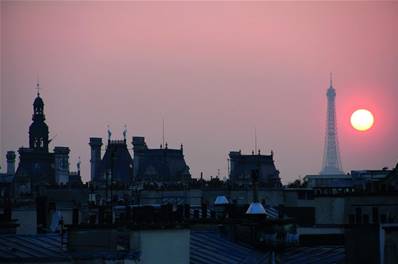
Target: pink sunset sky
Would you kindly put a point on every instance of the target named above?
(213, 71)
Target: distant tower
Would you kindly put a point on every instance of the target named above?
(331, 157)
(95, 144)
(38, 130)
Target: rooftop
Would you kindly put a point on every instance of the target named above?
(205, 247)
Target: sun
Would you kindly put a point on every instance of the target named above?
(362, 119)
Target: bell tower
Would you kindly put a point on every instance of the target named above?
(38, 130)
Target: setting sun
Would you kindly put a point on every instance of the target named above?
(362, 119)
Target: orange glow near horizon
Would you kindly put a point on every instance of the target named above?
(362, 120)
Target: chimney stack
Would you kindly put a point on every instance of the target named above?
(95, 145)
(10, 162)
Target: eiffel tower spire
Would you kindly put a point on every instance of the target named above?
(331, 157)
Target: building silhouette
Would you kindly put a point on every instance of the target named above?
(161, 165)
(115, 166)
(7, 178)
(241, 167)
(37, 165)
(331, 157)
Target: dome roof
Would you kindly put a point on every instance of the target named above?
(38, 101)
(256, 208)
(221, 200)
(38, 126)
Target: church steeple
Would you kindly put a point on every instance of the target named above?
(38, 106)
(38, 130)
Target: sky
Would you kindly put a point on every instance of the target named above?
(214, 71)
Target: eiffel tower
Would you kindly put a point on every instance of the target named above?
(331, 157)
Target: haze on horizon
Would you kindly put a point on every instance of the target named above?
(213, 71)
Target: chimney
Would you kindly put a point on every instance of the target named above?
(139, 144)
(95, 145)
(61, 160)
(10, 162)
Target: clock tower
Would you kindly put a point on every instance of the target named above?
(38, 130)
(36, 163)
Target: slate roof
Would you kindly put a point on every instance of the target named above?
(320, 254)
(31, 248)
(210, 247)
(5, 178)
(161, 165)
(243, 165)
(205, 247)
(123, 163)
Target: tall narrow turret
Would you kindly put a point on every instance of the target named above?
(95, 145)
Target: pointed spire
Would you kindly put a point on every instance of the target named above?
(38, 88)
(38, 84)
(331, 79)
(38, 104)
